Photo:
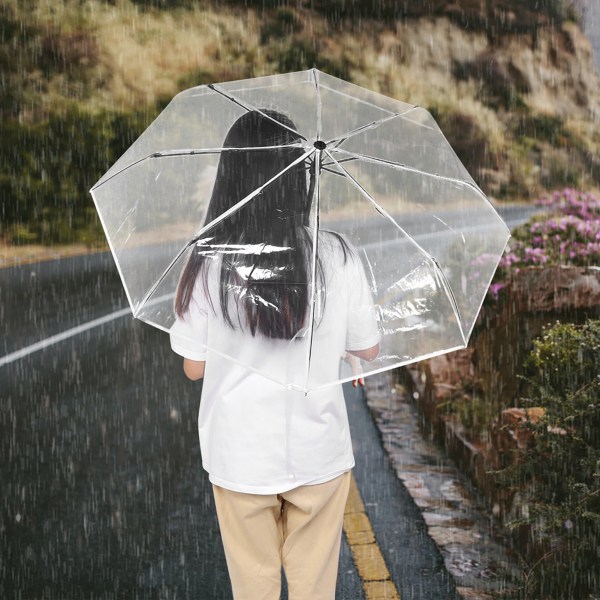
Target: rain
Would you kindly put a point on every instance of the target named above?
(476, 464)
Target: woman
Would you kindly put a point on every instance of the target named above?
(248, 318)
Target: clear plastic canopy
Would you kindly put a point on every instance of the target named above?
(359, 191)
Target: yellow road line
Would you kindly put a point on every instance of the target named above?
(370, 564)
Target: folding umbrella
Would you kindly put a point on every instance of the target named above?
(380, 176)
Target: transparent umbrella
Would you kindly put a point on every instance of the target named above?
(373, 177)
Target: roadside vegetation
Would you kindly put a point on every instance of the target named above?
(533, 400)
(556, 477)
(567, 233)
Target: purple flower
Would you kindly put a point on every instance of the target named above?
(509, 259)
(495, 289)
(483, 259)
(535, 255)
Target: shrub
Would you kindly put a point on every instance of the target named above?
(567, 234)
(468, 140)
(558, 476)
(298, 55)
(48, 168)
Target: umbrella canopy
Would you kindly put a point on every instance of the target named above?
(375, 172)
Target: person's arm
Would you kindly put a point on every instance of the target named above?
(188, 339)
(194, 369)
(368, 354)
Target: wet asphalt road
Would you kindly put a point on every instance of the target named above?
(103, 494)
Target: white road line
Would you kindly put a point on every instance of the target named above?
(65, 335)
(59, 337)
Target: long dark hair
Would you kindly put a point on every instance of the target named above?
(265, 244)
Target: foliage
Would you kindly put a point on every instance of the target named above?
(31, 53)
(471, 408)
(570, 235)
(163, 4)
(574, 349)
(300, 55)
(558, 476)
(467, 12)
(567, 234)
(467, 138)
(49, 168)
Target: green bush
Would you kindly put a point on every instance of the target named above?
(48, 168)
(558, 476)
(566, 359)
(298, 55)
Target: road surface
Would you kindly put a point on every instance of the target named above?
(103, 494)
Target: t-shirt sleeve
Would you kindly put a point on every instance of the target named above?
(362, 330)
(189, 335)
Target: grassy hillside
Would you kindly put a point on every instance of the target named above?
(511, 83)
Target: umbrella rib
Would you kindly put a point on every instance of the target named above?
(355, 99)
(343, 160)
(399, 363)
(267, 86)
(413, 107)
(401, 167)
(444, 281)
(193, 152)
(325, 165)
(372, 125)
(332, 172)
(249, 107)
(214, 222)
(133, 164)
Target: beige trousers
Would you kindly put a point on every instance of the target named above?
(300, 530)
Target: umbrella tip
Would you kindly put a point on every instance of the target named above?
(320, 145)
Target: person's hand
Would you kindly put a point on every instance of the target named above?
(194, 369)
(354, 363)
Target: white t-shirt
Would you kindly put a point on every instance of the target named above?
(258, 435)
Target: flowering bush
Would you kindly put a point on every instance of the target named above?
(567, 234)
